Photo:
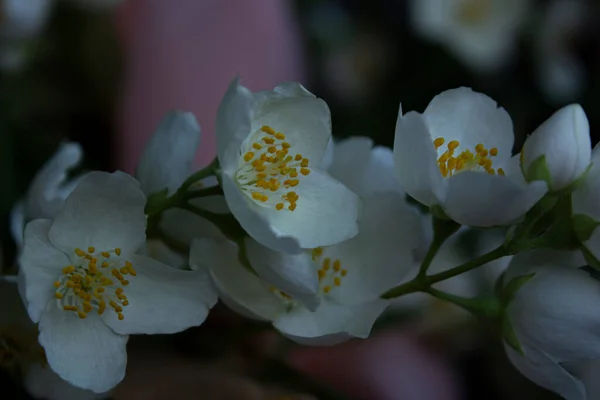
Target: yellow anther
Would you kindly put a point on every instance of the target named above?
(279, 206)
(293, 182)
(337, 265)
(444, 157)
(124, 271)
(327, 289)
(298, 157)
(261, 175)
(272, 149)
(322, 273)
(304, 171)
(304, 163)
(294, 173)
(501, 172)
(58, 295)
(105, 264)
(479, 148)
(88, 257)
(87, 307)
(118, 251)
(248, 156)
(56, 284)
(91, 249)
(112, 304)
(493, 152)
(453, 145)
(259, 196)
(438, 142)
(125, 303)
(124, 282)
(120, 316)
(292, 207)
(280, 136)
(79, 252)
(452, 161)
(327, 263)
(443, 170)
(268, 140)
(490, 171)
(256, 146)
(70, 308)
(344, 272)
(337, 281)
(286, 145)
(100, 290)
(267, 129)
(81, 315)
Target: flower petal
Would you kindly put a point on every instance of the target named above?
(587, 195)
(84, 352)
(168, 156)
(295, 275)
(43, 383)
(381, 255)
(416, 160)
(159, 251)
(331, 323)
(302, 117)
(350, 159)
(233, 124)
(380, 175)
(105, 211)
(251, 218)
(484, 200)
(163, 299)
(41, 264)
(47, 191)
(327, 213)
(541, 369)
(241, 290)
(184, 226)
(470, 118)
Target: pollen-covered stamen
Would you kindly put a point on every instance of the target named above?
(268, 171)
(450, 163)
(94, 281)
(331, 273)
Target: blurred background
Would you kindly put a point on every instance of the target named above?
(102, 73)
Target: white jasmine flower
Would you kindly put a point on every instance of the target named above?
(555, 320)
(457, 155)
(88, 289)
(483, 33)
(48, 189)
(270, 146)
(564, 142)
(350, 276)
(561, 72)
(585, 200)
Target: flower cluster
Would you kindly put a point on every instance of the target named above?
(317, 236)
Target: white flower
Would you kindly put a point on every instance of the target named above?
(482, 33)
(88, 290)
(48, 189)
(564, 142)
(270, 146)
(555, 320)
(39, 381)
(167, 161)
(457, 155)
(561, 73)
(350, 277)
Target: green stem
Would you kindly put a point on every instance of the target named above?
(442, 230)
(206, 192)
(479, 306)
(199, 175)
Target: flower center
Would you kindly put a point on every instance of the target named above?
(268, 171)
(450, 163)
(92, 282)
(472, 12)
(331, 272)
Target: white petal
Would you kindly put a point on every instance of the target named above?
(541, 369)
(296, 274)
(251, 218)
(324, 326)
(184, 226)
(327, 159)
(483, 200)
(380, 174)
(41, 264)
(587, 195)
(163, 299)
(555, 311)
(168, 156)
(48, 189)
(241, 290)
(564, 139)
(159, 251)
(84, 352)
(303, 118)
(233, 124)
(416, 160)
(41, 382)
(381, 255)
(350, 159)
(327, 213)
(529, 261)
(105, 211)
(470, 118)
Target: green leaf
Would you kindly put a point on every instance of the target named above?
(584, 226)
(509, 336)
(538, 171)
(511, 288)
(590, 258)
